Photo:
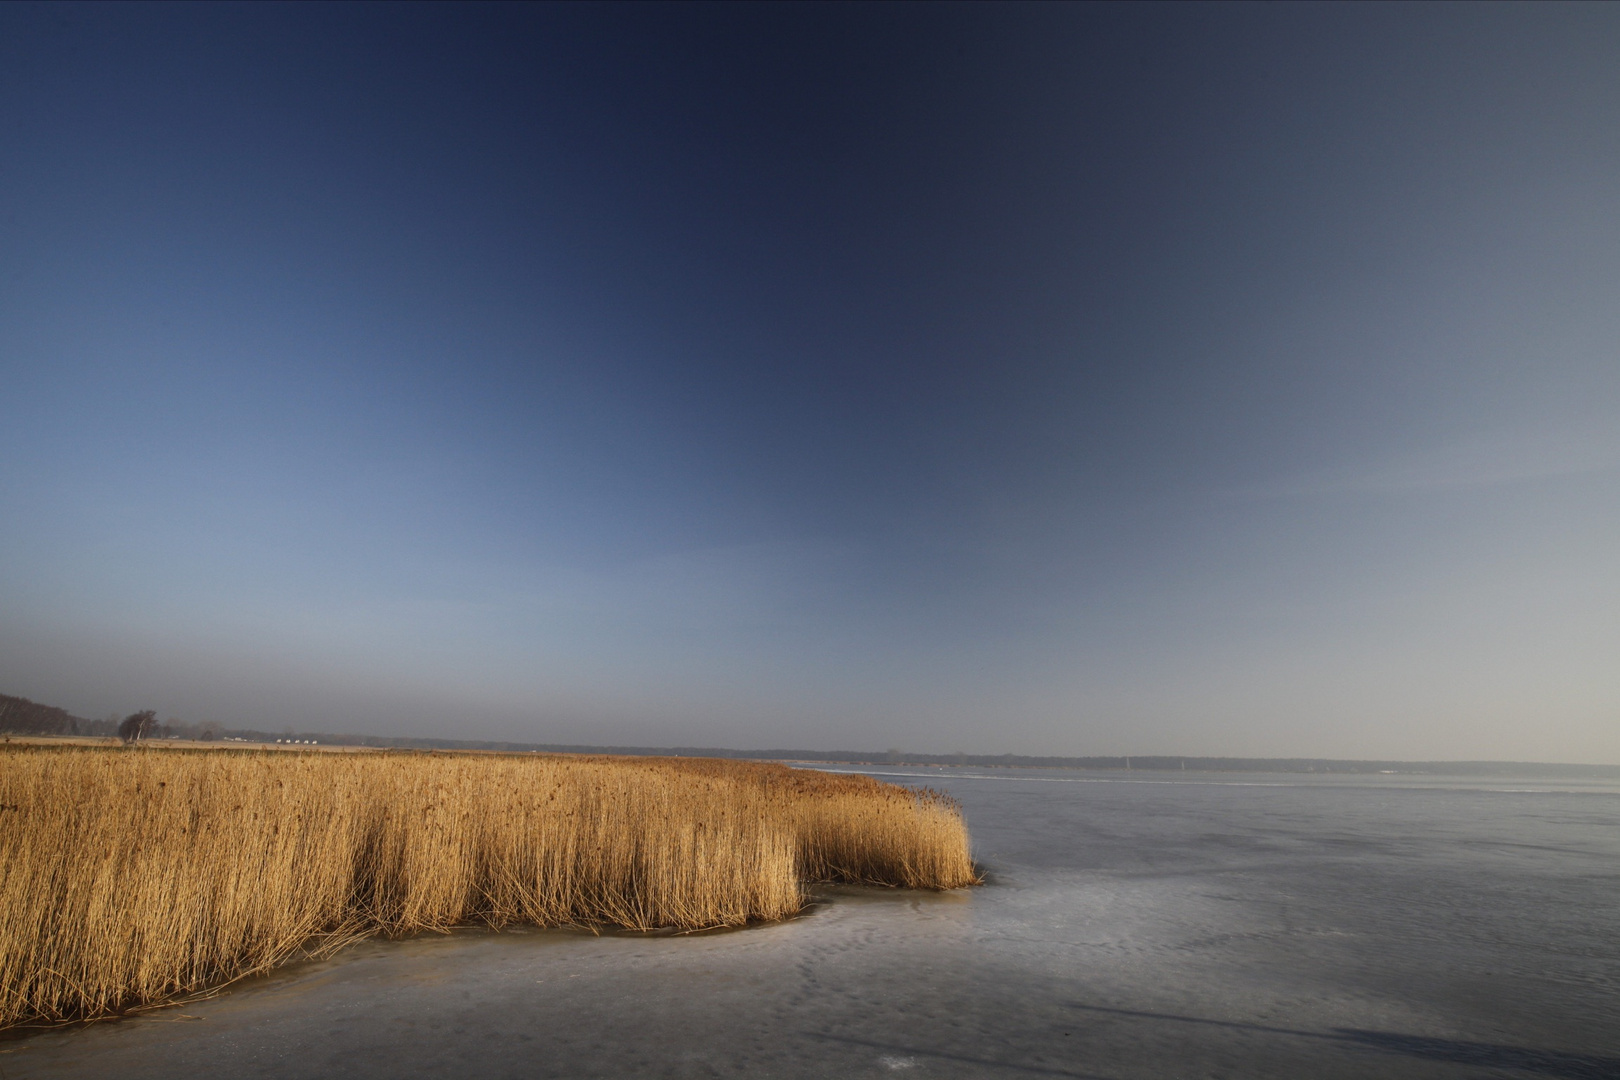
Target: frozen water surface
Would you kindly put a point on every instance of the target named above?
(1153, 925)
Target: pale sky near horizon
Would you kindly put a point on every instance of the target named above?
(1205, 380)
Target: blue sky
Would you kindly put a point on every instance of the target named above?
(1069, 380)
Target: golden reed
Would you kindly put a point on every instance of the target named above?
(128, 877)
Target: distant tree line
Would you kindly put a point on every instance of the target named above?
(19, 716)
(23, 717)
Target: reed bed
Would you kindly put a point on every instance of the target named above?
(128, 877)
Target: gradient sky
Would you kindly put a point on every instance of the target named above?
(1056, 380)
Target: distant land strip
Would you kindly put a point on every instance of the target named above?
(20, 716)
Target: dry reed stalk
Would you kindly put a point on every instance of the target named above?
(131, 876)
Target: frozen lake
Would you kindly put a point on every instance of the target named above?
(1135, 926)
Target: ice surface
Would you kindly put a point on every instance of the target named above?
(1140, 926)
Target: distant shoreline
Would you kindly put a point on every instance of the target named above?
(315, 742)
(20, 717)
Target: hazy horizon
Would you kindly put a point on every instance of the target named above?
(1049, 380)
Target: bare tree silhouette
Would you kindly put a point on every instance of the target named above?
(133, 729)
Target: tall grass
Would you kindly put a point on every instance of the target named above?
(131, 876)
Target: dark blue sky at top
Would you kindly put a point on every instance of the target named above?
(1054, 379)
